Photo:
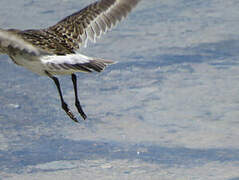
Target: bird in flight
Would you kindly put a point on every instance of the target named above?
(54, 50)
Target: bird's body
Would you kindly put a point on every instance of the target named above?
(53, 51)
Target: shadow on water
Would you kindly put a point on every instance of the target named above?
(47, 150)
(237, 178)
(204, 52)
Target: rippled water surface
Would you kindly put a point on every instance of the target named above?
(167, 110)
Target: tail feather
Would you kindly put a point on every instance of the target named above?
(97, 65)
(70, 64)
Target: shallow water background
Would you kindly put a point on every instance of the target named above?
(167, 110)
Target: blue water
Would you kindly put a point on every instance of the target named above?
(167, 110)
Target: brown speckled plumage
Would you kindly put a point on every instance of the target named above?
(53, 50)
(73, 31)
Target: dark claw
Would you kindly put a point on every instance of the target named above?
(68, 112)
(71, 115)
(80, 110)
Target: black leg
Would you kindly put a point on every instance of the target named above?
(63, 104)
(77, 102)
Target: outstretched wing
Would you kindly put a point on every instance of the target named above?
(90, 22)
(10, 43)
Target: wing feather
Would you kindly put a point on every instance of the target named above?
(10, 42)
(102, 25)
(92, 21)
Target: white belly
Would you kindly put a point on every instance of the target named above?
(31, 63)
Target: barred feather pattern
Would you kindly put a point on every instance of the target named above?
(10, 42)
(91, 22)
(71, 63)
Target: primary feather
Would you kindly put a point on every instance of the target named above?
(73, 32)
